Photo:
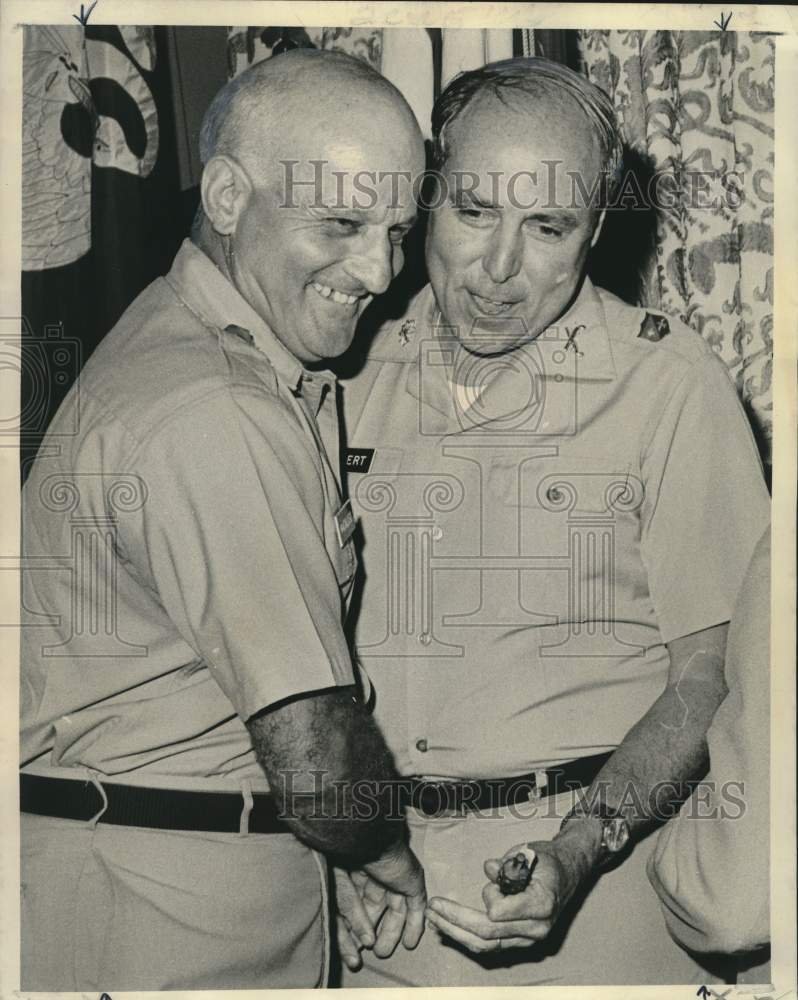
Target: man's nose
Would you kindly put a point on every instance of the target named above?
(504, 254)
(373, 267)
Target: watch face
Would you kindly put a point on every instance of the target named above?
(616, 834)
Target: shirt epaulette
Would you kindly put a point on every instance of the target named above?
(654, 328)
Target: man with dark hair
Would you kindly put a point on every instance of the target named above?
(193, 641)
(560, 494)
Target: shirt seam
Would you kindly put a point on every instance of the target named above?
(142, 443)
(293, 380)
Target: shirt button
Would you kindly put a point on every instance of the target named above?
(421, 746)
(425, 638)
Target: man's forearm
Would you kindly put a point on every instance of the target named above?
(350, 812)
(650, 773)
(332, 777)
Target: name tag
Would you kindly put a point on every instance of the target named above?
(344, 523)
(359, 459)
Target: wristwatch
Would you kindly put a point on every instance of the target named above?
(615, 833)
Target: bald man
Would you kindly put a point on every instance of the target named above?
(193, 730)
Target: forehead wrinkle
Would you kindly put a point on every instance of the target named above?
(356, 146)
(555, 117)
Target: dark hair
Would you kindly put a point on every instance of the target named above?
(536, 78)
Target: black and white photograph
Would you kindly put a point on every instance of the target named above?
(398, 421)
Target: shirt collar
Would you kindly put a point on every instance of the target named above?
(576, 348)
(210, 295)
(583, 330)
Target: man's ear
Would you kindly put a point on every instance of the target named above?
(225, 190)
(597, 230)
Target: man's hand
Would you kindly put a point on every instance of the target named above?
(520, 921)
(380, 906)
(356, 918)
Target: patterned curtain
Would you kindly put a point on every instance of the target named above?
(703, 102)
(70, 125)
(99, 197)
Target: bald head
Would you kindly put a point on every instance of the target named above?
(310, 169)
(290, 105)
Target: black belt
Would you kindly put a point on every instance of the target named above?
(220, 812)
(157, 808)
(436, 797)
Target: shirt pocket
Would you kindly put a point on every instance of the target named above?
(574, 521)
(602, 486)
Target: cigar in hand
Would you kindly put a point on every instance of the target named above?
(516, 871)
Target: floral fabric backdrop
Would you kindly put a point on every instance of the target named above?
(703, 101)
(247, 45)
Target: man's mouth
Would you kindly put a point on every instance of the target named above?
(491, 307)
(334, 295)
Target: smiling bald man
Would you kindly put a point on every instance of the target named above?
(184, 747)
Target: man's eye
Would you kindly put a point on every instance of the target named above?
(344, 225)
(474, 216)
(548, 232)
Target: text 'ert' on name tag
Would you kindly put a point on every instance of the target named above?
(359, 459)
(345, 523)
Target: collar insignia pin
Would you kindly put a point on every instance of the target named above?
(407, 329)
(571, 342)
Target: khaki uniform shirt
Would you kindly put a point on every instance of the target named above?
(183, 568)
(711, 866)
(538, 525)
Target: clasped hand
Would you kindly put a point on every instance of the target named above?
(371, 916)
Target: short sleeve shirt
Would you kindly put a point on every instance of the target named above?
(711, 864)
(538, 526)
(183, 566)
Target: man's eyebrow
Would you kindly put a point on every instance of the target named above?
(461, 197)
(562, 218)
(334, 206)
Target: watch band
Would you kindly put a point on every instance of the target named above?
(615, 833)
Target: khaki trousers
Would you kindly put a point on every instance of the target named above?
(109, 908)
(617, 935)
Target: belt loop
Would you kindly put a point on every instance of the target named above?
(243, 823)
(95, 780)
(541, 781)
